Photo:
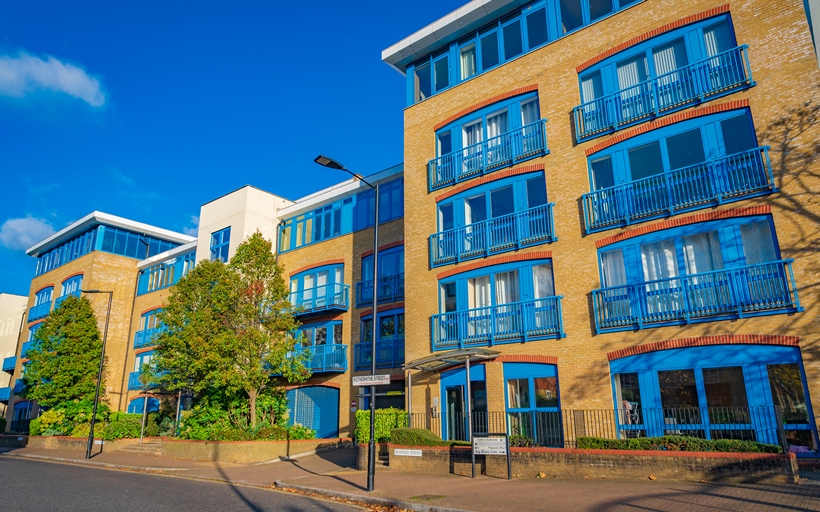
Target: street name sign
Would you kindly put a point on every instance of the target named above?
(371, 380)
(406, 453)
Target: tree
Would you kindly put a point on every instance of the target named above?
(230, 326)
(65, 358)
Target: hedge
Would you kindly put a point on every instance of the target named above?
(420, 437)
(386, 420)
(677, 443)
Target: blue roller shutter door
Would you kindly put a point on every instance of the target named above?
(316, 407)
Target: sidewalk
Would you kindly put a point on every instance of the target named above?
(329, 473)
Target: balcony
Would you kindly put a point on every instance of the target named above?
(146, 337)
(328, 297)
(25, 348)
(725, 179)
(9, 364)
(391, 289)
(38, 312)
(700, 81)
(5, 394)
(763, 289)
(59, 300)
(501, 234)
(135, 384)
(18, 387)
(326, 358)
(494, 325)
(512, 147)
(389, 354)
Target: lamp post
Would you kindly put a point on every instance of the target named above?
(371, 447)
(99, 372)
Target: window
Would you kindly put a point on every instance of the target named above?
(71, 286)
(43, 296)
(67, 251)
(133, 245)
(468, 61)
(532, 402)
(165, 274)
(220, 243)
(321, 334)
(32, 330)
(143, 359)
(391, 327)
(319, 288)
(150, 320)
(571, 17)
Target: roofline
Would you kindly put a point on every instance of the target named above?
(167, 255)
(246, 186)
(96, 218)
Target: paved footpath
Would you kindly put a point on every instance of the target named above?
(331, 472)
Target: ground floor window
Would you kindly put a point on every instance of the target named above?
(532, 403)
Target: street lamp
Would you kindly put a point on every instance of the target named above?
(371, 447)
(99, 372)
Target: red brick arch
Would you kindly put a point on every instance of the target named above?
(702, 341)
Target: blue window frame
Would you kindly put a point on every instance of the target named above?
(533, 407)
(500, 216)
(71, 287)
(320, 289)
(502, 40)
(135, 406)
(698, 272)
(714, 392)
(391, 278)
(140, 360)
(501, 304)
(165, 274)
(671, 71)
(149, 328)
(325, 345)
(220, 243)
(389, 341)
(391, 204)
(454, 402)
(43, 296)
(42, 304)
(686, 166)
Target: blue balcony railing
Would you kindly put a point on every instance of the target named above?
(696, 82)
(25, 348)
(5, 395)
(711, 183)
(9, 364)
(501, 234)
(146, 337)
(334, 296)
(135, 384)
(529, 141)
(507, 323)
(391, 289)
(38, 312)
(326, 358)
(389, 354)
(766, 288)
(18, 386)
(59, 300)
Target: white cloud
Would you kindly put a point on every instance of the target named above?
(26, 73)
(194, 229)
(20, 234)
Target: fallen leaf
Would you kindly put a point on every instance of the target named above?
(653, 477)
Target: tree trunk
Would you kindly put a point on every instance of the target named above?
(252, 396)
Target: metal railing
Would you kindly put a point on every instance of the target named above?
(505, 323)
(20, 426)
(38, 312)
(325, 358)
(391, 289)
(500, 234)
(733, 292)
(135, 384)
(389, 354)
(528, 141)
(25, 347)
(59, 300)
(710, 183)
(561, 428)
(322, 298)
(5, 394)
(696, 82)
(146, 337)
(9, 364)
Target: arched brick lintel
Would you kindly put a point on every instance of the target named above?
(702, 341)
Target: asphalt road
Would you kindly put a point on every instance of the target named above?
(42, 486)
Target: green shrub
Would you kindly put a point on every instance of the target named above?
(276, 433)
(386, 421)
(53, 423)
(677, 443)
(420, 437)
(297, 431)
(34, 427)
(122, 426)
(84, 429)
(521, 441)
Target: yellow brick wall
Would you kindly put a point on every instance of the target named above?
(785, 68)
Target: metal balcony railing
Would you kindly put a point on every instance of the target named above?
(766, 288)
(146, 337)
(134, 383)
(506, 323)
(509, 148)
(38, 312)
(5, 394)
(711, 183)
(389, 354)
(696, 82)
(391, 289)
(9, 364)
(334, 296)
(59, 300)
(25, 348)
(501, 234)
(325, 358)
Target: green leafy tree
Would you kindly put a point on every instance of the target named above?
(65, 358)
(230, 326)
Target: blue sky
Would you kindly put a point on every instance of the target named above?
(148, 109)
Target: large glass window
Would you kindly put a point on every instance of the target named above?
(537, 28)
(571, 16)
(512, 40)
(220, 243)
(787, 392)
(685, 149)
(645, 161)
(329, 333)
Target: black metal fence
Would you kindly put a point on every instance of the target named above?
(561, 428)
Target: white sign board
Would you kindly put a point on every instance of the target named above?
(371, 380)
(406, 453)
(489, 446)
(98, 441)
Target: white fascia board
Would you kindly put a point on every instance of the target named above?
(447, 29)
(96, 218)
(167, 255)
(339, 191)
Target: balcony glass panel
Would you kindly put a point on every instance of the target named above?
(699, 81)
(734, 293)
(326, 358)
(391, 289)
(38, 312)
(9, 363)
(25, 348)
(488, 155)
(500, 234)
(724, 179)
(146, 337)
(506, 323)
(334, 296)
(389, 354)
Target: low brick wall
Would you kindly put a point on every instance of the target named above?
(610, 464)
(13, 441)
(246, 451)
(361, 461)
(78, 443)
